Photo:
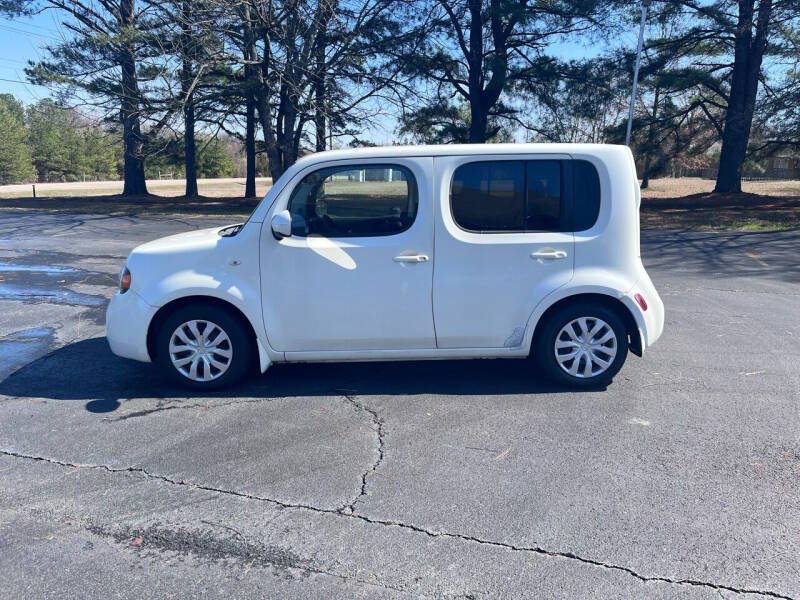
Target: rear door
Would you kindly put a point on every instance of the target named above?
(502, 245)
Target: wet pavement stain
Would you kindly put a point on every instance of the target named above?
(21, 347)
(7, 267)
(33, 279)
(34, 294)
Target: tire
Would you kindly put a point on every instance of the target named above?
(222, 357)
(567, 327)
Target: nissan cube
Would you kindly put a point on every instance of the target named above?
(400, 253)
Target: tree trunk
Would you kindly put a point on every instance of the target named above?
(319, 93)
(250, 147)
(477, 110)
(482, 98)
(748, 54)
(133, 144)
(187, 89)
(260, 84)
(645, 176)
(649, 144)
(190, 150)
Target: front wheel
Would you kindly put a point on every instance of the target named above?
(582, 345)
(203, 347)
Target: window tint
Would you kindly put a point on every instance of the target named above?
(544, 195)
(354, 201)
(586, 194)
(489, 196)
(497, 196)
(531, 195)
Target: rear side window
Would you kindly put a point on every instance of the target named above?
(522, 196)
(508, 195)
(489, 196)
(544, 207)
(354, 201)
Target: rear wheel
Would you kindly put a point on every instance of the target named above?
(203, 346)
(582, 345)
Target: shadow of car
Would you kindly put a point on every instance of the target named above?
(86, 370)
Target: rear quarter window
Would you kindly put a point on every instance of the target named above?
(586, 195)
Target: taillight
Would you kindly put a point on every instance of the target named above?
(640, 300)
(124, 280)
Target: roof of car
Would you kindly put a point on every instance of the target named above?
(462, 149)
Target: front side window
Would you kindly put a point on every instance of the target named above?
(508, 195)
(354, 201)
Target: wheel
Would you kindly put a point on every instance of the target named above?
(203, 347)
(582, 345)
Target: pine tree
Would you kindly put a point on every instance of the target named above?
(15, 158)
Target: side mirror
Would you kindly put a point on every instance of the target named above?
(282, 224)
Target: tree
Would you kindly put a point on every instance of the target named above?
(15, 159)
(67, 147)
(100, 61)
(750, 42)
(197, 51)
(717, 52)
(54, 142)
(317, 62)
(480, 50)
(214, 160)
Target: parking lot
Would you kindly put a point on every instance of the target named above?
(441, 479)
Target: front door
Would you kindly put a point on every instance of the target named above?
(502, 244)
(356, 273)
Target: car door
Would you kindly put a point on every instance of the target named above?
(356, 273)
(502, 245)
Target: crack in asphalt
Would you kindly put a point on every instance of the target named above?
(407, 526)
(209, 406)
(378, 422)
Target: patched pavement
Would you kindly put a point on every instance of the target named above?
(392, 480)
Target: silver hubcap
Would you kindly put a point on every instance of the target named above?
(200, 350)
(586, 347)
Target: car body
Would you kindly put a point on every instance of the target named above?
(406, 252)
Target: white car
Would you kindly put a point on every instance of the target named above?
(398, 253)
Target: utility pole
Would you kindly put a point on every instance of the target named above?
(645, 4)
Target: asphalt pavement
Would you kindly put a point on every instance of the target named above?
(451, 479)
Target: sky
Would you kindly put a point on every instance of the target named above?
(22, 40)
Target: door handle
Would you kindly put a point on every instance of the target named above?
(411, 258)
(548, 254)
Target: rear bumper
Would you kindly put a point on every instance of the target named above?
(127, 320)
(650, 322)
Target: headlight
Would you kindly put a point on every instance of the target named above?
(124, 280)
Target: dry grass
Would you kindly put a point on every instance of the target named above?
(213, 188)
(668, 203)
(689, 203)
(688, 186)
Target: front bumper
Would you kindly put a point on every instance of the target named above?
(127, 318)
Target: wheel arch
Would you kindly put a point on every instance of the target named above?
(611, 302)
(170, 307)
